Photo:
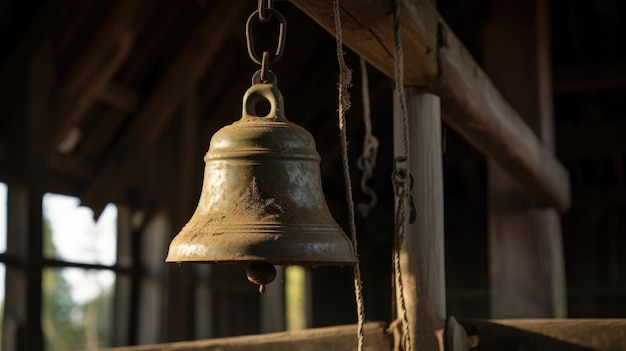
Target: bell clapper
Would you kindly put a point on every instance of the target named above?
(261, 274)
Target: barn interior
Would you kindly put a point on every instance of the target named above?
(115, 102)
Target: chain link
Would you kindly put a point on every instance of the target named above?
(264, 14)
(263, 5)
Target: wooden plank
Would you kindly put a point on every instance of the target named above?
(470, 102)
(422, 254)
(527, 275)
(177, 83)
(550, 334)
(339, 338)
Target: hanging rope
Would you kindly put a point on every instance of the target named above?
(367, 160)
(402, 180)
(345, 81)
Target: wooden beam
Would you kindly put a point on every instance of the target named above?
(43, 26)
(341, 338)
(550, 334)
(476, 109)
(587, 79)
(120, 97)
(22, 327)
(470, 102)
(94, 69)
(422, 254)
(527, 274)
(178, 82)
(368, 30)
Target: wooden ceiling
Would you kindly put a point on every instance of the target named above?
(124, 74)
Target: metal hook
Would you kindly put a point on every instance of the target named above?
(398, 179)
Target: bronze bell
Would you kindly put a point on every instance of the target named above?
(262, 200)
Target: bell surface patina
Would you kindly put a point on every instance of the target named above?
(262, 198)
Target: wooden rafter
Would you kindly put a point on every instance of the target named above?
(471, 104)
(98, 62)
(178, 82)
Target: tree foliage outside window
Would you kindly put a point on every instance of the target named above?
(69, 321)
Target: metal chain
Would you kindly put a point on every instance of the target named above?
(264, 14)
(345, 80)
(263, 5)
(367, 161)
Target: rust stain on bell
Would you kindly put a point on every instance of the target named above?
(262, 197)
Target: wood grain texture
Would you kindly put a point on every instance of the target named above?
(338, 338)
(550, 334)
(422, 254)
(438, 61)
(177, 83)
(368, 30)
(527, 275)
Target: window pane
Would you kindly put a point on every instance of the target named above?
(3, 217)
(71, 234)
(77, 308)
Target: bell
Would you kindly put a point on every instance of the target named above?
(262, 201)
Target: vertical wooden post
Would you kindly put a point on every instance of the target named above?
(155, 235)
(123, 304)
(272, 307)
(526, 259)
(25, 215)
(422, 255)
(183, 187)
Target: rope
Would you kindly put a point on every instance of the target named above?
(401, 178)
(345, 81)
(367, 160)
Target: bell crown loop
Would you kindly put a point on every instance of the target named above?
(263, 91)
(263, 135)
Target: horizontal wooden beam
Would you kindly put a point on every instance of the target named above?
(587, 79)
(341, 338)
(367, 28)
(513, 334)
(550, 334)
(590, 140)
(436, 59)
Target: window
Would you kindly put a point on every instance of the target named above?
(74, 236)
(78, 280)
